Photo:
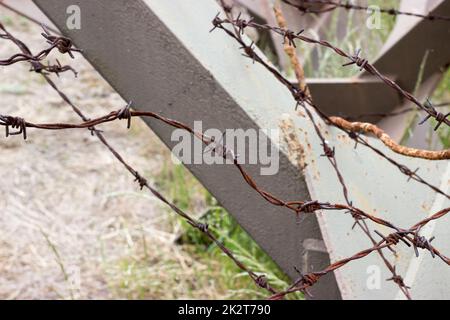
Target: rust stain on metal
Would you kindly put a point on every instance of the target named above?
(296, 152)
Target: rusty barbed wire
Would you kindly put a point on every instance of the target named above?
(410, 237)
(301, 98)
(330, 5)
(126, 113)
(63, 44)
(369, 128)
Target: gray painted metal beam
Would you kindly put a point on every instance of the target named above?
(160, 55)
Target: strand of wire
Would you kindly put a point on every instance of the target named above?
(126, 113)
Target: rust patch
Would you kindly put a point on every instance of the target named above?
(296, 152)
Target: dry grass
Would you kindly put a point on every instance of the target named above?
(73, 223)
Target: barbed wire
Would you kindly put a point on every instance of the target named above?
(63, 44)
(301, 99)
(22, 125)
(410, 237)
(330, 5)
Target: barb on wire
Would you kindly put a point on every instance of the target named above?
(14, 123)
(63, 44)
(330, 5)
(56, 68)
